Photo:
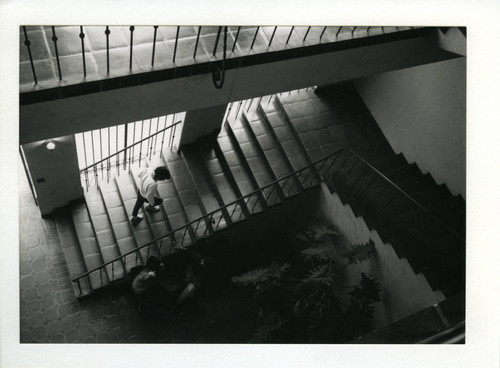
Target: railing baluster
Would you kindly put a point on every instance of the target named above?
(321, 35)
(284, 185)
(125, 143)
(147, 252)
(353, 29)
(338, 31)
(160, 246)
(197, 40)
(107, 32)
(184, 235)
(100, 151)
(255, 37)
(79, 287)
(112, 271)
(217, 40)
(272, 36)
(290, 35)
(236, 38)
(154, 46)
(307, 32)
(140, 147)
(118, 155)
(54, 39)
(132, 28)
(82, 36)
(156, 134)
(176, 40)
(109, 147)
(27, 43)
(136, 256)
(150, 145)
(163, 136)
(270, 192)
(133, 146)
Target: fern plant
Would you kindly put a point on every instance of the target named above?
(314, 305)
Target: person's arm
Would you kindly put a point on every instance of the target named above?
(150, 195)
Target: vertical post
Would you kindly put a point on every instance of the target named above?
(132, 28)
(27, 43)
(150, 140)
(140, 144)
(236, 38)
(107, 32)
(290, 35)
(125, 151)
(254, 37)
(154, 46)
(307, 32)
(100, 151)
(54, 39)
(156, 135)
(217, 40)
(272, 36)
(322, 33)
(133, 145)
(163, 136)
(353, 29)
(176, 40)
(82, 36)
(338, 31)
(108, 161)
(197, 40)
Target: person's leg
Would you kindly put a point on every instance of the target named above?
(138, 203)
(157, 202)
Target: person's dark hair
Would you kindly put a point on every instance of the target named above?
(153, 264)
(162, 173)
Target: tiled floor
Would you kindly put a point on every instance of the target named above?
(49, 311)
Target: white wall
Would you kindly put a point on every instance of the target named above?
(58, 169)
(403, 291)
(98, 110)
(421, 111)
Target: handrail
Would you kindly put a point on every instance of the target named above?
(128, 147)
(405, 194)
(261, 190)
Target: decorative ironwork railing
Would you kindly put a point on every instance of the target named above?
(166, 46)
(326, 169)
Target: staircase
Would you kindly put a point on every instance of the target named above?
(257, 161)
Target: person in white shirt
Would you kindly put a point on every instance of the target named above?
(147, 191)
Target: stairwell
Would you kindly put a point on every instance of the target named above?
(271, 138)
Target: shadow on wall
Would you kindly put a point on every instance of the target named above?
(403, 291)
(421, 111)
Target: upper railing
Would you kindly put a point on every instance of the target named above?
(135, 151)
(55, 56)
(328, 168)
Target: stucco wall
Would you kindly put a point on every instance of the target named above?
(421, 111)
(59, 171)
(403, 291)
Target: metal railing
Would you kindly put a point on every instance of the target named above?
(133, 151)
(325, 169)
(259, 35)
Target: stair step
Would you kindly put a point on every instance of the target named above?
(122, 228)
(261, 171)
(206, 190)
(72, 251)
(104, 233)
(224, 182)
(286, 138)
(142, 231)
(173, 208)
(272, 154)
(240, 171)
(88, 244)
(187, 193)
